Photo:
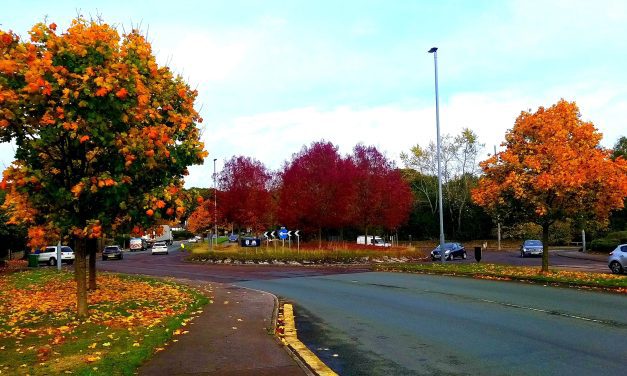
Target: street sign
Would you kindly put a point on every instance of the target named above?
(296, 233)
(250, 242)
(283, 233)
(289, 233)
(272, 234)
(265, 234)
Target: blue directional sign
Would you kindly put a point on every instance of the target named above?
(283, 233)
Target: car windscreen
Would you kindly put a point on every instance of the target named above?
(533, 243)
(159, 244)
(111, 248)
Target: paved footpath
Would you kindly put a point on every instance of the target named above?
(231, 337)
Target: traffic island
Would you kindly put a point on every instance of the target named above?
(286, 331)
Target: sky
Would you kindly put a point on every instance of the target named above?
(274, 76)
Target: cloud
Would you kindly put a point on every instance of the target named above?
(273, 137)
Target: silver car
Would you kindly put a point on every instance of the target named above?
(618, 259)
(531, 248)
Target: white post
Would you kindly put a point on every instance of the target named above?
(583, 240)
(59, 255)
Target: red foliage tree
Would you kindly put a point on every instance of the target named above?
(244, 196)
(382, 197)
(317, 189)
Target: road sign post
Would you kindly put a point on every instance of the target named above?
(289, 239)
(283, 235)
(297, 241)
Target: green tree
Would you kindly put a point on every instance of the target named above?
(103, 135)
(459, 168)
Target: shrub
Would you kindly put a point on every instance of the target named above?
(619, 236)
(603, 245)
(182, 235)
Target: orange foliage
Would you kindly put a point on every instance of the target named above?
(140, 116)
(32, 310)
(554, 166)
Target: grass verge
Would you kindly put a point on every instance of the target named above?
(611, 282)
(130, 319)
(234, 254)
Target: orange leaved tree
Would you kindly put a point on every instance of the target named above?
(552, 168)
(103, 135)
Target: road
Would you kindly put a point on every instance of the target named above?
(172, 265)
(386, 323)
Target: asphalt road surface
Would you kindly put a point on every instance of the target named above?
(386, 323)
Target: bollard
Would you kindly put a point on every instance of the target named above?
(478, 254)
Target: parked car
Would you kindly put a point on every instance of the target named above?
(451, 250)
(192, 240)
(112, 252)
(233, 238)
(618, 259)
(159, 247)
(531, 248)
(49, 255)
(138, 244)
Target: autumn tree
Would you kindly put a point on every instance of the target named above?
(103, 135)
(317, 189)
(202, 219)
(552, 168)
(243, 193)
(381, 196)
(459, 166)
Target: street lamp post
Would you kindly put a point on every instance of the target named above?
(215, 203)
(434, 51)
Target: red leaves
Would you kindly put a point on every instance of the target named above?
(244, 196)
(84, 139)
(122, 93)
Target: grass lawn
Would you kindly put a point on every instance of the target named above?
(611, 282)
(130, 319)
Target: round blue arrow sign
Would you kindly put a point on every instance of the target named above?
(283, 233)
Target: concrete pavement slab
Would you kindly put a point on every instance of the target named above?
(233, 336)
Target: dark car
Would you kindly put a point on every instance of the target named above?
(531, 248)
(451, 250)
(112, 252)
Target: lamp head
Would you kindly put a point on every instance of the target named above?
(433, 49)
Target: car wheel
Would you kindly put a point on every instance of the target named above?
(70, 262)
(464, 255)
(104, 258)
(450, 257)
(52, 261)
(522, 254)
(616, 268)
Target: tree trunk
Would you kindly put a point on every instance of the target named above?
(91, 250)
(81, 279)
(319, 237)
(545, 247)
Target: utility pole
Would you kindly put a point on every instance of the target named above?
(434, 51)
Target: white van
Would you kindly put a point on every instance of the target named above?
(138, 244)
(372, 240)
